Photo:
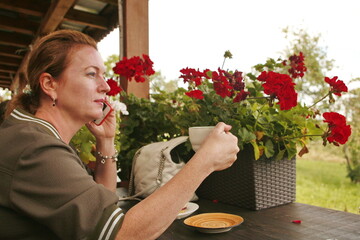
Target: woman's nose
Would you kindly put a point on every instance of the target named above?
(104, 85)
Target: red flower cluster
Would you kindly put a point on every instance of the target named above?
(114, 87)
(198, 94)
(297, 65)
(135, 67)
(191, 75)
(222, 86)
(280, 86)
(337, 86)
(338, 132)
(225, 84)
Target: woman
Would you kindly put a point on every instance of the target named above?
(46, 192)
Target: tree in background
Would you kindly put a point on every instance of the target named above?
(352, 148)
(109, 64)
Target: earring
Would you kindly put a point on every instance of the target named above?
(54, 102)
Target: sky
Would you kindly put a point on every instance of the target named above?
(196, 33)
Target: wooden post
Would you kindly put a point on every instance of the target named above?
(135, 39)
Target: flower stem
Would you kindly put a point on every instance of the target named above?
(313, 135)
(257, 98)
(319, 100)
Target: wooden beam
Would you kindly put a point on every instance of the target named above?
(19, 24)
(8, 82)
(10, 51)
(112, 2)
(10, 61)
(15, 39)
(87, 19)
(136, 40)
(111, 13)
(55, 15)
(5, 76)
(7, 69)
(5, 82)
(5, 85)
(33, 7)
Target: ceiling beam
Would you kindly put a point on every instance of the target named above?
(19, 24)
(112, 2)
(87, 19)
(10, 61)
(15, 39)
(5, 84)
(10, 51)
(5, 76)
(55, 15)
(7, 69)
(33, 7)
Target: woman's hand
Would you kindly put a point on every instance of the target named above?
(106, 130)
(220, 148)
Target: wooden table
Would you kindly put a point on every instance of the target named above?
(274, 224)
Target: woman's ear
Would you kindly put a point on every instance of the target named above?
(49, 85)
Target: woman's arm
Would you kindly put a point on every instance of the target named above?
(152, 216)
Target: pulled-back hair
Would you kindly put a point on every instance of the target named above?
(49, 54)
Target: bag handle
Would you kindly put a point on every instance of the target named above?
(159, 177)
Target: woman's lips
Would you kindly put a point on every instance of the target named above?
(100, 102)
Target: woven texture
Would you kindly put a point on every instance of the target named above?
(252, 184)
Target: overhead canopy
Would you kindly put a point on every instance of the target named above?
(22, 21)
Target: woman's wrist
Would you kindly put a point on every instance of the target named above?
(105, 150)
(105, 158)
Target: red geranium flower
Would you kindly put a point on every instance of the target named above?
(338, 132)
(114, 87)
(135, 67)
(281, 86)
(192, 75)
(236, 80)
(198, 94)
(222, 86)
(297, 65)
(241, 96)
(337, 86)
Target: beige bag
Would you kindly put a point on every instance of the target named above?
(153, 167)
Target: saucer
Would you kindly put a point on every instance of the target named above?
(213, 222)
(190, 208)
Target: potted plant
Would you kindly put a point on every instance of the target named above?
(262, 107)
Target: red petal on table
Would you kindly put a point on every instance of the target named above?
(296, 221)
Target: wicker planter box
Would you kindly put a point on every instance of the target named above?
(252, 184)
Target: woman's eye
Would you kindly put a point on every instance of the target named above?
(91, 74)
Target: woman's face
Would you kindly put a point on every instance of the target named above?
(82, 87)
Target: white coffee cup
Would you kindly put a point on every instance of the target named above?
(198, 134)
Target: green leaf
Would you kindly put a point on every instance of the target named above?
(256, 150)
(280, 155)
(291, 150)
(269, 149)
(245, 135)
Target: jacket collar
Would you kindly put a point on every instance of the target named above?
(24, 116)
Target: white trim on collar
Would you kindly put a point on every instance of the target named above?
(18, 115)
